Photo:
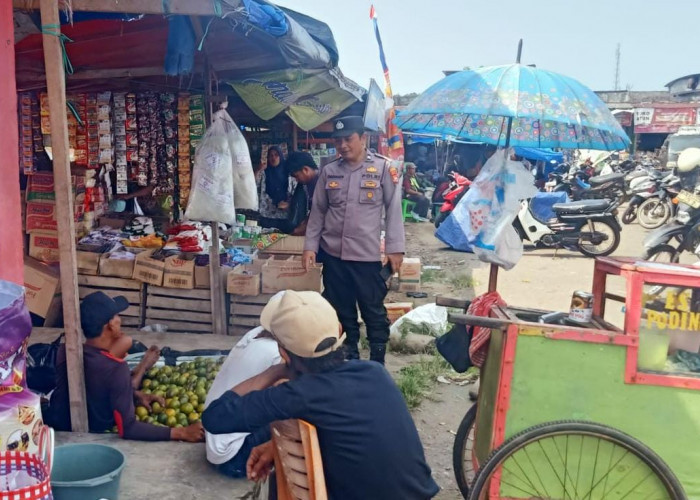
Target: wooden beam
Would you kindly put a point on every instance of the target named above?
(182, 7)
(11, 237)
(56, 83)
(92, 74)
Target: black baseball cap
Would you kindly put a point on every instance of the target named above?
(298, 160)
(97, 309)
(345, 126)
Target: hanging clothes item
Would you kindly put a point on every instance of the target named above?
(481, 335)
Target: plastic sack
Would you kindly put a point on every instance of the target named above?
(41, 366)
(211, 196)
(245, 191)
(487, 211)
(431, 319)
(15, 325)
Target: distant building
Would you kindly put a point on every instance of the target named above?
(685, 89)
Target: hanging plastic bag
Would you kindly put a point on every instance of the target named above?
(487, 211)
(211, 197)
(15, 325)
(244, 188)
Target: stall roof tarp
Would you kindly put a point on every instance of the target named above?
(309, 97)
(539, 154)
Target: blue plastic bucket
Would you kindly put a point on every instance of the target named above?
(86, 472)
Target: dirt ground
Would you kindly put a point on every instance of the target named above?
(540, 280)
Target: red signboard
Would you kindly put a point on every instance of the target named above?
(662, 120)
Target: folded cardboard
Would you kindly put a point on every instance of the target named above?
(290, 245)
(409, 275)
(395, 310)
(88, 262)
(290, 275)
(42, 286)
(117, 268)
(179, 273)
(43, 245)
(244, 279)
(148, 269)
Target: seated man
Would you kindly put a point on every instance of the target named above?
(412, 191)
(369, 443)
(302, 167)
(253, 354)
(109, 385)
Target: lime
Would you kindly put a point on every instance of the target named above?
(193, 417)
(170, 412)
(141, 411)
(156, 408)
(171, 422)
(200, 408)
(174, 403)
(187, 408)
(146, 383)
(184, 399)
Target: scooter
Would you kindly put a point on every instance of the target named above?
(588, 226)
(656, 210)
(642, 189)
(685, 228)
(451, 196)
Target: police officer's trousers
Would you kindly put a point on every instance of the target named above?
(349, 284)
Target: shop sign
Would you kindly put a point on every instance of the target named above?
(664, 120)
(677, 313)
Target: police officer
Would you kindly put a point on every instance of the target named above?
(343, 233)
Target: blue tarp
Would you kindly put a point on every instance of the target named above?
(539, 154)
(267, 17)
(541, 205)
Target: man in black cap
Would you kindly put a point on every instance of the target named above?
(302, 167)
(355, 194)
(109, 384)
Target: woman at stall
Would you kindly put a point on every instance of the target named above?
(276, 187)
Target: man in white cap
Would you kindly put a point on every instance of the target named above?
(369, 443)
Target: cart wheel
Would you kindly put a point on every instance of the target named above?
(462, 452)
(575, 460)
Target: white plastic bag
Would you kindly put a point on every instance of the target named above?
(244, 188)
(211, 197)
(487, 211)
(431, 317)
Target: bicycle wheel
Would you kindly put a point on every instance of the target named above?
(574, 461)
(462, 452)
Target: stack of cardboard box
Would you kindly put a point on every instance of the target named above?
(40, 218)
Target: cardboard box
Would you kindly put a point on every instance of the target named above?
(43, 245)
(202, 277)
(42, 290)
(118, 268)
(290, 245)
(179, 273)
(244, 280)
(395, 310)
(40, 187)
(409, 275)
(41, 216)
(290, 275)
(148, 269)
(88, 262)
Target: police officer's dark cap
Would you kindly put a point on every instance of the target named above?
(298, 160)
(97, 309)
(345, 126)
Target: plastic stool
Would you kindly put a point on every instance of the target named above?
(407, 207)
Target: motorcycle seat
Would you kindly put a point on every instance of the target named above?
(583, 206)
(602, 179)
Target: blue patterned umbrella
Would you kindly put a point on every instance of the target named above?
(543, 109)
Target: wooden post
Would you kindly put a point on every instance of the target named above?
(493, 278)
(295, 137)
(11, 255)
(218, 308)
(56, 84)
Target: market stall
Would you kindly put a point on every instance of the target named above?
(108, 164)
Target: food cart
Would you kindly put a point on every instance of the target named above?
(570, 410)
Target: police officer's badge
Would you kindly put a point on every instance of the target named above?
(339, 125)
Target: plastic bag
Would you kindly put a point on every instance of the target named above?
(245, 191)
(487, 211)
(41, 366)
(15, 325)
(211, 197)
(431, 319)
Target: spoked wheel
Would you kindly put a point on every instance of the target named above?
(630, 214)
(463, 461)
(598, 239)
(653, 213)
(575, 461)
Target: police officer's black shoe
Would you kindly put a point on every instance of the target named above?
(377, 352)
(351, 352)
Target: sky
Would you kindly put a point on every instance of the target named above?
(659, 39)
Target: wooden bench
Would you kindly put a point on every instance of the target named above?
(298, 465)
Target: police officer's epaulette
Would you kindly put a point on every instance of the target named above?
(381, 157)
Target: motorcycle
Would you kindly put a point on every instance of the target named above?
(660, 207)
(588, 226)
(579, 186)
(646, 188)
(457, 188)
(685, 228)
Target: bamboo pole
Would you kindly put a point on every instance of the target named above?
(56, 84)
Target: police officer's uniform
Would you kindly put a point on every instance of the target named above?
(344, 229)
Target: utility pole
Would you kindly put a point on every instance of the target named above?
(617, 67)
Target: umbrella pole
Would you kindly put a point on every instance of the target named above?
(493, 273)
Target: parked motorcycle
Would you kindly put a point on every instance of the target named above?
(457, 188)
(658, 209)
(588, 226)
(685, 229)
(579, 185)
